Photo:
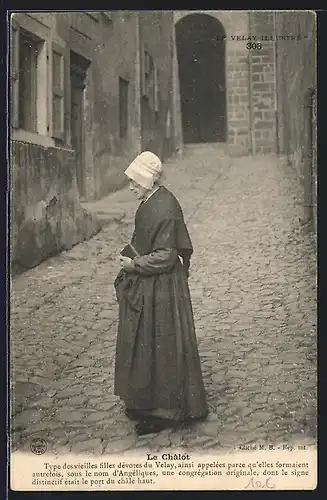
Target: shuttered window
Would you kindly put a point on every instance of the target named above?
(57, 92)
(37, 90)
(30, 47)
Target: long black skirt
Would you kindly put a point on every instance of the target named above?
(157, 369)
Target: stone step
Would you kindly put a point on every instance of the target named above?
(199, 148)
(104, 213)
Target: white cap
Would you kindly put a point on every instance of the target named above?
(145, 169)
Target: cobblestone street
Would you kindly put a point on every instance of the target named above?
(253, 287)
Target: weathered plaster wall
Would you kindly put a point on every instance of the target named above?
(46, 215)
(296, 67)
(111, 48)
(156, 37)
(296, 75)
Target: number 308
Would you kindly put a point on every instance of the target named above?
(254, 46)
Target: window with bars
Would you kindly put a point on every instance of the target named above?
(123, 107)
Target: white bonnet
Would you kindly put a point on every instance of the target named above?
(145, 169)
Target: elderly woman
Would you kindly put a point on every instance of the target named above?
(158, 373)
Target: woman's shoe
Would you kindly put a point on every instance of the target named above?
(133, 414)
(151, 426)
(190, 421)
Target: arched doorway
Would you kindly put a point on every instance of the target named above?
(200, 43)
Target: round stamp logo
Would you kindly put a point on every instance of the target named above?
(38, 446)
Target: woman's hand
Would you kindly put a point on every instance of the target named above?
(127, 264)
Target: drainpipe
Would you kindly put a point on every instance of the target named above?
(308, 155)
(252, 136)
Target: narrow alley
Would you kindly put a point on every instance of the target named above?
(253, 288)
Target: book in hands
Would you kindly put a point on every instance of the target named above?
(129, 251)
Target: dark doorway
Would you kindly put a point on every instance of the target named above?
(200, 41)
(78, 72)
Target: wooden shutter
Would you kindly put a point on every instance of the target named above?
(58, 82)
(15, 32)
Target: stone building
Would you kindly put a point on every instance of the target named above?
(91, 90)
(88, 92)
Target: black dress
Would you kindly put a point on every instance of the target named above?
(158, 368)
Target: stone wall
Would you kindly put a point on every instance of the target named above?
(296, 71)
(263, 84)
(46, 215)
(296, 75)
(239, 139)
